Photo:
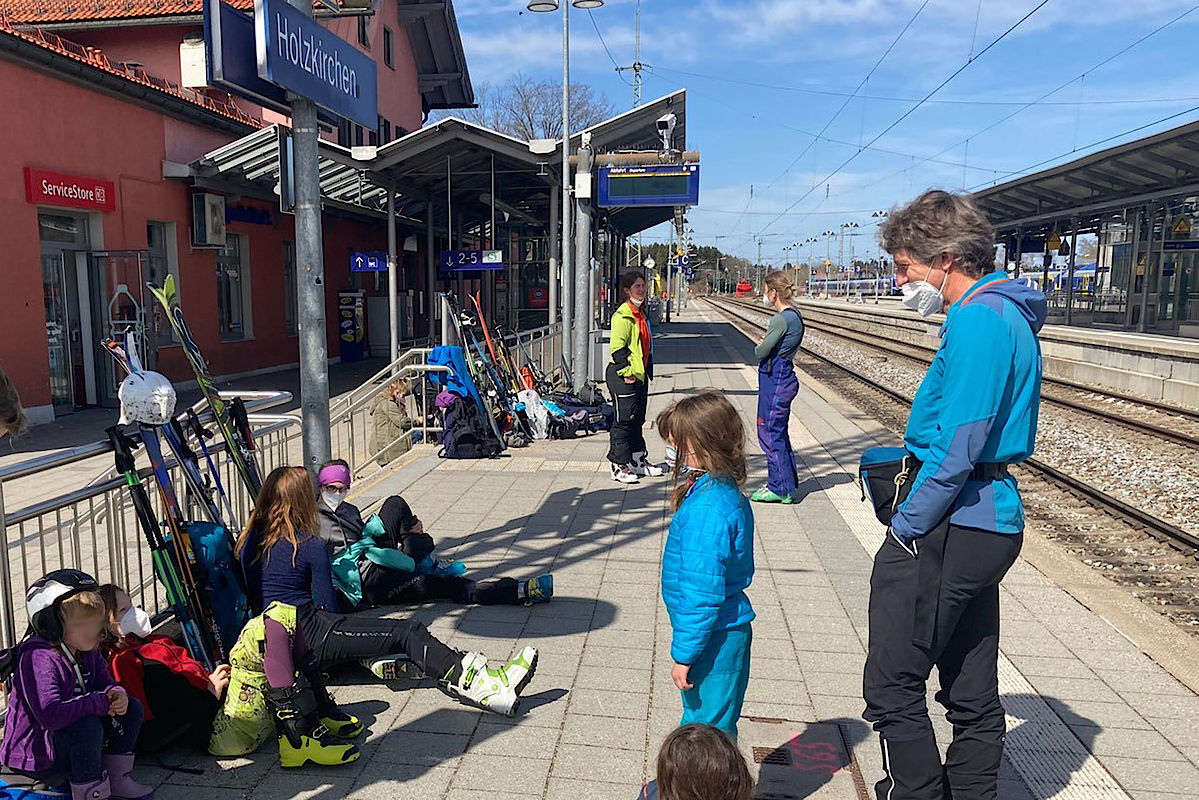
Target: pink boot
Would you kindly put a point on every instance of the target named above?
(96, 790)
(124, 787)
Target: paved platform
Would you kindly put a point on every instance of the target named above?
(1089, 715)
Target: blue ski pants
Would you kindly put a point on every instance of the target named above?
(777, 387)
(719, 678)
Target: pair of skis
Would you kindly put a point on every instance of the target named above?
(492, 388)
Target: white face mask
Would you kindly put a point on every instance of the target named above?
(635, 301)
(134, 621)
(766, 301)
(924, 298)
(332, 499)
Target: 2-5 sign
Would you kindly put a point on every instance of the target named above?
(468, 260)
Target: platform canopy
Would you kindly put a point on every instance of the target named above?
(1124, 176)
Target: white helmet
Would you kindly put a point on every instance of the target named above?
(148, 398)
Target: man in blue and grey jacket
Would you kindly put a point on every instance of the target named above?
(934, 591)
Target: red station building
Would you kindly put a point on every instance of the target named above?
(94, 203)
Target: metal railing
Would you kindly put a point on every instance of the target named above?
(95, 527)
(352, 414)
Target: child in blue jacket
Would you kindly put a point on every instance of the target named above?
(709, 562)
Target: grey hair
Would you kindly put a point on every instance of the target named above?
(942, 222)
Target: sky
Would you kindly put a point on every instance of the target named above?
(798, 106)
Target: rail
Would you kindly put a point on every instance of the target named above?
(355, 432)
(95, 528)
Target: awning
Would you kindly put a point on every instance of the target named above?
(437, 49)
(1127, 175)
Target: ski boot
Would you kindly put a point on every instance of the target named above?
(539, 589)
(765, 495)
(643, 468)
(492, 689)
(337, 722)
(302, 738)
(396, 667)
(118, 766)
(624, 473)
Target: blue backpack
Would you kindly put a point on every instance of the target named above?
(220, 578)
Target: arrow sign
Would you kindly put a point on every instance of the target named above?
(368, 262)
(471, 260)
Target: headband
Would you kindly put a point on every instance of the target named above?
(334, 473)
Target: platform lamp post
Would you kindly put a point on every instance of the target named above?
(811, 255)
(828, 257)
(568, 276)
(878, 277)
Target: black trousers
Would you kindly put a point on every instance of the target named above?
(386, 587)
(629, 400)
(939, 607)
(186, 716)
(337, 638)
(416, 545)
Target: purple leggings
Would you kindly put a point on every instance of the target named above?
(282, 652)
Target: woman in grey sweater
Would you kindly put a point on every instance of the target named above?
(777, 387)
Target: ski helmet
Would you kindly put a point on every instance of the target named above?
(45, 596)
(146, 397)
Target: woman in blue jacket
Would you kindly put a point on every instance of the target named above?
(709, 560)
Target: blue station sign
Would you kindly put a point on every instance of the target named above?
(471, 260)
(299, 54)
(228, 45)
(368, 262)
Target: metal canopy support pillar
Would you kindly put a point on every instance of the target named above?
(582, 272)
(430, 272)
(1134, 255)
(1070, 271)
(1142, 324)
(567, 275)
(1019, 249)
(554, 233)
(393, 281)
(310, 281)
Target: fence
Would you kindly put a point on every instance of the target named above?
(352, 415)
(95, 528)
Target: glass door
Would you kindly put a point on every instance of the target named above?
(58, 332)
(118, 305)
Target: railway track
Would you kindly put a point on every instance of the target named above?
(1140, 519)
(1183, 423)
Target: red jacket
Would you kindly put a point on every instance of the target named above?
(128, 665)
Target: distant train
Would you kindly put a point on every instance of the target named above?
(883, 285)
(744, 288)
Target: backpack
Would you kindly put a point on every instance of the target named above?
(217, 573)
(466, 433)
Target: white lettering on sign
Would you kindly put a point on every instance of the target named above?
(308, 53)
(72, 191)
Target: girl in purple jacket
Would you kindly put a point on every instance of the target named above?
(66, 715)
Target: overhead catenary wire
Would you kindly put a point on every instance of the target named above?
(912, 110)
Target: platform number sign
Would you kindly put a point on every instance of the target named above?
(471, 260)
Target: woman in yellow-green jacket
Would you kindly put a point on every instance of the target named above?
(628, 377)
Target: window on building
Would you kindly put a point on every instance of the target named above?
(232, 278)
(372, 138)
(359, 137)
(385, 128)
(387, 49)
(345, 132)
(364, 31)
(289, 287)
(161, 260)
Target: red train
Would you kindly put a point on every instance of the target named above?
(744, 288)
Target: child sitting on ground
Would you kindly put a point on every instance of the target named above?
(708, 561)
(65, 713)
(179, 696)
(388, 559)
(699, 762)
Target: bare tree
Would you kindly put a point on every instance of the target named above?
(530, 109)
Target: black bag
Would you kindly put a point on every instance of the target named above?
(467, 434)
(600, 416)
(885, 476)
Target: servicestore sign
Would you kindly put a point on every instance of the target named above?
(45, 188)
(299, 54)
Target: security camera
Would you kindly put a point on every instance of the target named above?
(666, 124)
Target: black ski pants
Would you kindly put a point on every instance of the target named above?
(629, 401)
(387, 587)
(337, 638)
(938, 607)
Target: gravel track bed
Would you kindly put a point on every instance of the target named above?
(1138, 468)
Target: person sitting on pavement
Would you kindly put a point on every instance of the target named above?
(708, 561)
(777, 387)
(389, 423)
(66, 716)
(699, 762)
(285, 561)
(179, 696)
(934, 589)
(388, 559)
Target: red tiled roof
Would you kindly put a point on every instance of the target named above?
(94, 57)
(48, 11)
